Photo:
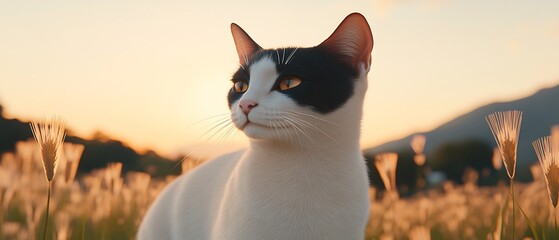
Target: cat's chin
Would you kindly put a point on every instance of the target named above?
(258, 131)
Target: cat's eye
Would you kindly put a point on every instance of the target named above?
(289, 83)
(240, 87)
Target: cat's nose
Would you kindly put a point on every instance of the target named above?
(247, 105)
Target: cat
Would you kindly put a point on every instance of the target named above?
(303, 175)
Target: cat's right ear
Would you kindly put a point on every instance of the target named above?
(246, 47)
(352, 40)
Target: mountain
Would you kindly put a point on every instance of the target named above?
(540, 113)
(465, 140)
(98, 152)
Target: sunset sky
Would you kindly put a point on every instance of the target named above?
(147, 72)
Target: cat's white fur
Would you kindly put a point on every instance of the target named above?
(303, 176)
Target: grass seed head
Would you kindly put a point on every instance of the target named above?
(552, 177)
(508, 153)
(72, 154)
(386, 166)
(49, 135)
(549, 161)
(505, 127)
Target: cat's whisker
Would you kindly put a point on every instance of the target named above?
(277, 128)
(282, 57)
(219, 130)
(208, 127)
(200, 156)
(273, 125)
(211, 126)
(180, 161)
(277, 54)
(290, 57)
(216, 141)
(228, 133)
(296, 132)
(208, 118)
(297, 114)
(281, 130)
(214, 126)
(282, 127)
(308, 124)
(235, 132)
(294, 124)
(297, 126)
(285, 128)
(186, 156)
(226, 130)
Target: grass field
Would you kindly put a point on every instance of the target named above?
(109, 205)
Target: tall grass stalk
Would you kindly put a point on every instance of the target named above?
(500, 223)
(547, 150)
(386, 165)
(513, 205)
(530, 224)
(505, 127)
(47, 212)
(555, 220)
(49, 135)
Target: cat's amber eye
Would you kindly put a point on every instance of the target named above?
(289, 83)
(240, 87)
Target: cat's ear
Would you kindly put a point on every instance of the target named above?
(245, 45)
(352, 40)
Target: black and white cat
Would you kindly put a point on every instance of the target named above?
(303, 176)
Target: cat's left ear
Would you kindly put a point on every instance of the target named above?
(352, 40)
(246, 47)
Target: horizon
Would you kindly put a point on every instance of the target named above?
(230, 148)
(146, 73)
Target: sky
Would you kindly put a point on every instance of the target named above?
(154, 73)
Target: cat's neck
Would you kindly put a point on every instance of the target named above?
(319, 142)
(324, 145)
(314, 165)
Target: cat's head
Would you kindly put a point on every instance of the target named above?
(294, 95)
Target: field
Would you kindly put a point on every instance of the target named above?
(107, 205)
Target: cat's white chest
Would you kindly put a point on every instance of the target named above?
(288, 198)
(245, 202)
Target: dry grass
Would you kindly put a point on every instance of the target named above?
(107, 205)
(549, 161)
(386, 166)
(505, 127)
(49, 135)
(100, 205)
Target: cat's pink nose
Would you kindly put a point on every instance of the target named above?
(247, 105)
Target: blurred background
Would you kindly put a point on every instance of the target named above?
(143, 77)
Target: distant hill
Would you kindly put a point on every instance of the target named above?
(459, 136)
(98, 151)
(540, 113)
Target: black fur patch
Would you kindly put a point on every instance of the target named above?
(327, 81)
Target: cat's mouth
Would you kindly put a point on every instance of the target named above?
(250, 123)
